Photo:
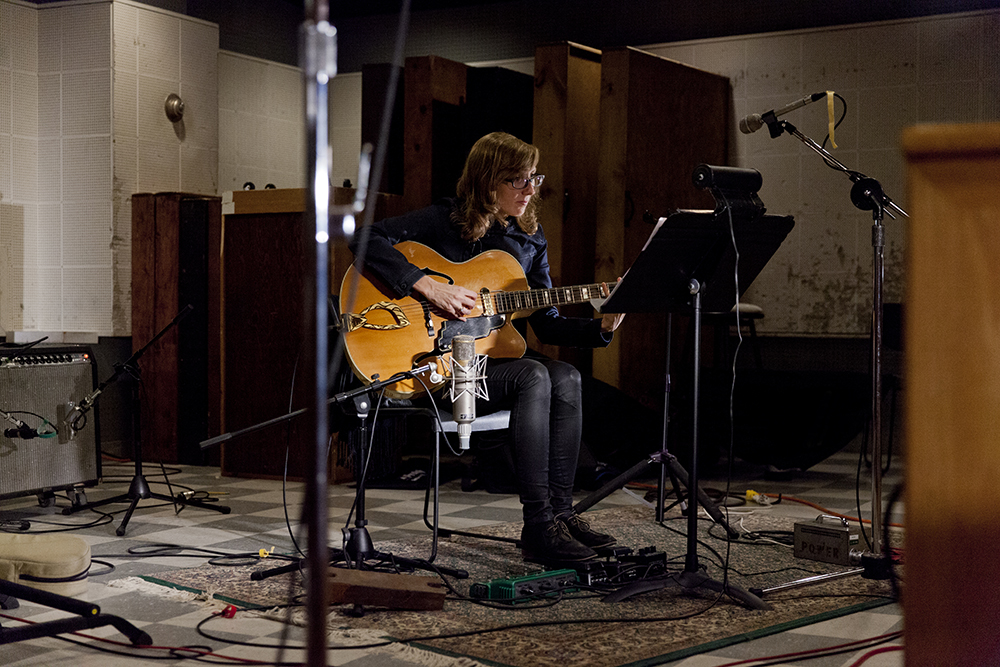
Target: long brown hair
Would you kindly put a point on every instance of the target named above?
(494, 158)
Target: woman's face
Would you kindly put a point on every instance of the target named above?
(513, 201)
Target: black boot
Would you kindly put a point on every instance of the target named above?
(552, 541)
(582, 533)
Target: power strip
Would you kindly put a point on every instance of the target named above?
(522, 589)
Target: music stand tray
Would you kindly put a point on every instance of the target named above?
(686, 252)
(697, 245)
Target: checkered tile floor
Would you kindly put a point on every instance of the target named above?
(257, 522)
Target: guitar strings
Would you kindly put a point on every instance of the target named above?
(509, 302)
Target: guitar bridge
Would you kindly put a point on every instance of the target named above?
(428, 322)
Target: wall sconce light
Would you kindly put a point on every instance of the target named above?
(174, 106)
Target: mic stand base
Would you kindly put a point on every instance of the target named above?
(371, 560)
(139, 487)
(872, 567)
(876, 567)
(139, 490)
(360, 552)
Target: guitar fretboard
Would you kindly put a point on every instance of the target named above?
(534, 299)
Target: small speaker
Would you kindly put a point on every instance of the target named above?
(39, 387)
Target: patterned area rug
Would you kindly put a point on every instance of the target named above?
(668, 623)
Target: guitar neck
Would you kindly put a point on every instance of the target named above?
(535, 299)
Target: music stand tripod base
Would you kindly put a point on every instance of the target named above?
(689, 581)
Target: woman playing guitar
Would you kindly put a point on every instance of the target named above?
(495, 209)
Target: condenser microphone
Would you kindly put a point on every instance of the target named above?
(755, 121)
(464, 373)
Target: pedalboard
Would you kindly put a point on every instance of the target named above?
(619, 565)
(828, 539)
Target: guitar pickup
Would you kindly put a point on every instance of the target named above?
(487, 300)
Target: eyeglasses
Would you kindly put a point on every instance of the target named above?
(522, 183)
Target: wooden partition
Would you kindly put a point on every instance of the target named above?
(448, 106)
(263, 285)
(951, 603)
(434, 92)
(659, 120)
(174, 247)
(566, 130)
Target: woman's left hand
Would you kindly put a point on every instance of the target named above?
(610, 321)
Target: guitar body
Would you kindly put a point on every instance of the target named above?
(386, 335)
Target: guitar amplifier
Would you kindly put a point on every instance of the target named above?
(38, 387)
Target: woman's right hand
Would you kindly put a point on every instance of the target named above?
(452, 301)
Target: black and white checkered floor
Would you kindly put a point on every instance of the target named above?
(257, 522)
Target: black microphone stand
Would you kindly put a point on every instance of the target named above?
(867, 195)
(139, 487)
(358, 548)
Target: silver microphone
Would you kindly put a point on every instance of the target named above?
(755, 121)
(467, 375)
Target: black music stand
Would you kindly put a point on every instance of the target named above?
(687, 252)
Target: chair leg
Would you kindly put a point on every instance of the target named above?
(435, 483)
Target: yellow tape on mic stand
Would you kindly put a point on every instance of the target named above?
(831, 123)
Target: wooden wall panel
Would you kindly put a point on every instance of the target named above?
(659, 120)
(951, 604)
(263, 283)
(448, 106)
(263, 268)
(566, 127)
(434, 90)
(171, 242)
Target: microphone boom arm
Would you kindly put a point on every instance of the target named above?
(81, 408)
(338, 398)
(870, 186)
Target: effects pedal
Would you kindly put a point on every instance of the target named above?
(622, 565)
(524, 589)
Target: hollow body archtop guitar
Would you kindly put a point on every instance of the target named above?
(384, 335)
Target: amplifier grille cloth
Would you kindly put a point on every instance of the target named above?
(58, 462)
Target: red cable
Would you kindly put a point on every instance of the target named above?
(871, 654)
(797, 654)
(822, 509)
